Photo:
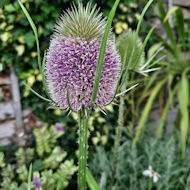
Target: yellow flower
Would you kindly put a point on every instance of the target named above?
(137, 15)
(10, 27)
(130, 19)
(34, 54)
(1, 67)
(124, 26)
(109, 108)
(39, 77)
(21, 39)
(95, 140)
(26, 93)
(118, 28)
(2, 25)
(36, 71)
(133, 5)
(57, 112)
(75, 116)
(104, 139)
(123, 7)
(5, 36)
(101, 120)
(91, 127)
(31, 80)
(20, 49)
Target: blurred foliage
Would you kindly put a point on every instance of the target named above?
(50, 166)
(164, 157)
(174, 73)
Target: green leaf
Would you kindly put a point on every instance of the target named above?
(165, 111)
(10, 8)
(171, 11)
(180, 25)
(29, 39)
(151, 80)
(183, 97)
(102, 53)
(147, 109)
(34, 30)
(91, 181)
(144, 45)
(4, 2)
(168, 29)
(142, 15)
(30, 177)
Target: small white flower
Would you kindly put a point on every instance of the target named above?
(152, 174)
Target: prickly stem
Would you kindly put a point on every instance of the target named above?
(83, 147)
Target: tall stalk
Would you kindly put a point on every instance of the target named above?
(83, 146)
(118, 137)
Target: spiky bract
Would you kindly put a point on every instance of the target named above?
(125, 44)
(84, 22)
(72, 58)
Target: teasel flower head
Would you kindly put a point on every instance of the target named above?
(72, 58)
(125, 44)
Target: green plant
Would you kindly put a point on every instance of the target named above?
(176, 68)
(164, 156)
(50, 169)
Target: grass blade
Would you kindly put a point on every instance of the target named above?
(183, 97)
(30, 177)
(147, 110)
(171, 11)
(142, 15)
(102, 53)
(164, 114)
(91, 181)
(180, 25)
(151, 80)
(144, 45)
(34, 30)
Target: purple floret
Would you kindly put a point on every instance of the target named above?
(36, 182)
(58, 127)
(71, 63)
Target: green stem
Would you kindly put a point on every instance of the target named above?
(118, 137)
(83, 146)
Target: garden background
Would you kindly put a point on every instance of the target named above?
(31, 133)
